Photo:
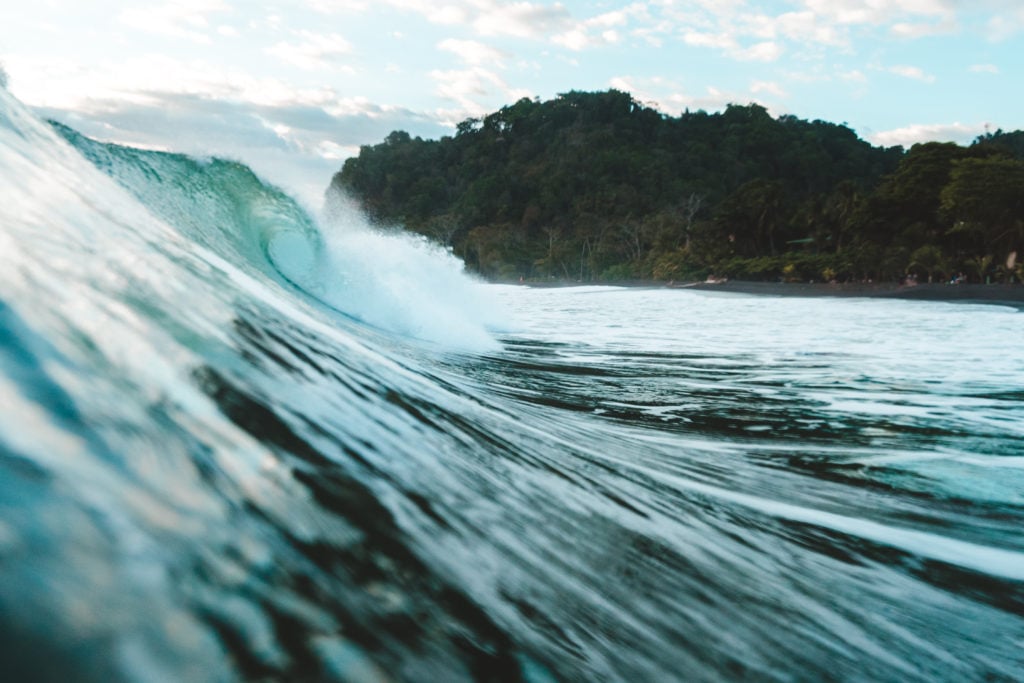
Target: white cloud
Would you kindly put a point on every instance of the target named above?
(538, 21)
(749, 31)
(940, 132)
(618, 17)
(338, 6)
(713, 99)
(293, 136)
(492, 17)
(576, 40)
(728, 42)
(182, 19)
(912, 30)
(623, 83)
(519, 19)
(804, 27)
(878, 12)
(473, 52)
(1004, 26)
(467, 87)
(913, 72)
(768, 51)
(984, 69)
(722, 41)
(315, 51)
(67, 84)
(767, 87)
(603, 29)
(669, 96)
(653, 35)
(447, 14)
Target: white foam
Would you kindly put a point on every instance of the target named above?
(401, 283)
(1001, 562)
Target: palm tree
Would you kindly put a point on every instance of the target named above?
(928, 258)
(980, 265)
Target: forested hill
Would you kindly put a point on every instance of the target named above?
(598, 187)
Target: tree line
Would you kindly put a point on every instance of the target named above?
(595, 186)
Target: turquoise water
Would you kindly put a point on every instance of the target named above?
(243, 442)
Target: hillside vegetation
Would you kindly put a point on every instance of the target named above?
(594, 186)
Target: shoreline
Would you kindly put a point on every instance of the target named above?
(992, 294)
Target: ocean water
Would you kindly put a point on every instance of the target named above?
(242, 441)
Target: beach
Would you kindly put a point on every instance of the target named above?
(996, 294)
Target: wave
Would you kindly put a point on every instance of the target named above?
(187, 428)
(396, 282)
(239, 441)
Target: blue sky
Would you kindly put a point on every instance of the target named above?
(295, 87)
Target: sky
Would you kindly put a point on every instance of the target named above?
(293, 88)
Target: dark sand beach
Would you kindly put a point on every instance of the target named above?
(994, 294)
(997, 294)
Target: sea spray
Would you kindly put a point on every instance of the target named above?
(403, 283)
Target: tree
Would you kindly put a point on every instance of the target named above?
(929, 259)
(597, 184)
(904, 209)
(981, 265)
(751, 217)
(985, 196)
(689, 211)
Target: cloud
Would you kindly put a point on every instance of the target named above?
(536, 21)
(315, 51)
(913, 72)
(768, 51)
(912, 30)
(473, 52)
(527, 20)
(182, 19)
(802, 27)
(467, 87)
(1006, 25)
(765, 51)
(721, 41)
(338, 6)
(670, 97)
(575, 40)
(875, 12)
(984, 69)
(767, 87)
(200, 108)
(519, 19)
(940, 132)
(603, 29)
(68, 84)
(750, 31)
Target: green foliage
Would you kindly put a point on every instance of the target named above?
(930, 260)
(984, 202)
(596, 186)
